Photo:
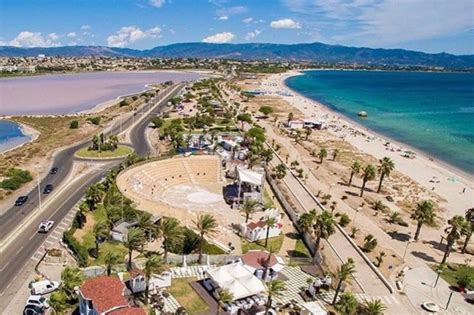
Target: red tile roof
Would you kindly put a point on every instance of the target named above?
(258, 259)
(254, 225)
(105, 292)
(136, 272)
(128, 311)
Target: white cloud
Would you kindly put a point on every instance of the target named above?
(35, 39)
(85, 27)
(218, 38)
(247, 20)
(157, 3)
(71, 34)
(285, 23)
(231, 11)
(252, 35)
(130, 34)
(223, 18)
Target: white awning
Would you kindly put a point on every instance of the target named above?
(249, 176)
(313, 308)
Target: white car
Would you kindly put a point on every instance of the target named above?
(43, 287)
(45, 226)
(38, 300)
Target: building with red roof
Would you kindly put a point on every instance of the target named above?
(262, 263)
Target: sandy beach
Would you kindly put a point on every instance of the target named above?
(456, 187)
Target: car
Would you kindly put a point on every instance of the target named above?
(20, 201)
(38, 300)
(43, 287)
(48, 189)
(54, 170)
(31, 309)
(45, 226)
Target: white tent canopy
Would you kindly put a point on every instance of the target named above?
(238, 280)
(249, 176)
(313, 308)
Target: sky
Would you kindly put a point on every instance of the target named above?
(424, 25)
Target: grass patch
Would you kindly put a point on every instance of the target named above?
(273, 242)
(451, 274)
(121, 150)
(300, 250)
(110, 246)
(186, 296)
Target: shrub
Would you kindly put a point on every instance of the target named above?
(94, 120)
(15, 178)
(74, 124)
(344, 220)
(157, 122)
(370, 242)
(80, 251)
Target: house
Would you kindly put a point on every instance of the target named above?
(313, 124)
(262, 264)
(255, 231)
(295, 124)
(135, 281)
(105, 295)
(120, 230)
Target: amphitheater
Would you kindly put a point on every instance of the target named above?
(183, 188)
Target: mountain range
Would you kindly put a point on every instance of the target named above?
(311, 52)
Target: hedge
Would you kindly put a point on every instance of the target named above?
(15, 178)
(80, 251)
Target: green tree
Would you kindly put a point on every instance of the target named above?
(343, 272)
(74, 124)
(456, 228)
(207, 226)
(385, 168)
(275, 287)
(248, 208)
(171, 232)
(347, 304)
(58, 303)
(135, 240)
(470, 221)
(324, 227)
(308, 132)
(375, 307)
(154, 264)
(290, 117)
(100, 231)
(269, 223)
(323, 153)
(71, 277)
(355, 169)
(306, 221)
(94, 195)
(244, 117)
(367, 175)
(223, 296)
(266, 110)
(111, 258)
(157, 122)
(280, 171)
(423, 214)
(370, 242)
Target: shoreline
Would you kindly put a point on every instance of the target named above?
(29, 132)
(451, 180)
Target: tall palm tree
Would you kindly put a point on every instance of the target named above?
(347, 304)
(111, 258)
(470, 221)
(58, 302)
(269, 223)
(423, 214)
(343, 272)
(94, 195)
(308, 132)
(144, 222)
(306, 221)
(368, 174)
(324, 226)
(135, 239)
(457, 225)
(249, 206)
(290, 117)
(385, 168)
(100, 231)
(170, 231)
(335, 153)
(355, 169)
(375, 307)
(206, 225)
(323, 153)
(274, 288)
(71, 277)
(223, 296)
(154, 264)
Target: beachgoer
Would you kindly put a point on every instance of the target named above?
(464, 190)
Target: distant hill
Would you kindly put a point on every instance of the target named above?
(313, 52)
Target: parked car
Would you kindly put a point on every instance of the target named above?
(54, 170)
(38, 300)
(31, 309)
(20, 201)
(45, 226)
(43, 287)
(48, 189)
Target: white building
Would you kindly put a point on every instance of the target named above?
(255, 231)
(136, 281)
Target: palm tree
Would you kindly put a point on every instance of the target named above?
(375, 307)
(368, 174)
(170, 231)
(394, 217)
(269, 223)
(343, 272)
(154, 264)
(280, 171)
(308, 132)
(206, 225)
(144, 222)
(135, 239)
(347, 304)
(274, 288)
(223, 296)
(290, 117)
(470, 221)
(322, 154)
(249, 207)
(370, 242)
(355, 169)
(455, 230)
(323, 228)
(111, 258)
(335, 153)
(94, 195)
(423, 214)
(71, 277)
(306, 221)
(100, 231)
(380, 258)
(58, 302)
(385, 168)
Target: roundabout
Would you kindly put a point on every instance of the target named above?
(120, 152)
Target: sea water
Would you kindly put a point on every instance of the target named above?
(11, 135)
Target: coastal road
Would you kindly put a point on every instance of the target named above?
(20, 247)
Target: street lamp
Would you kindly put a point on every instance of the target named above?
(406, 249)
(39, 188)
(355, 215)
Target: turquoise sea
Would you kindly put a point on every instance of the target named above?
(433, 112)
(10, 135)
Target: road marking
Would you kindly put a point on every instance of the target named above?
(394, 299)
(16, 253)
(49, 242)
(63, 225)
(33, 235)
(6, 265)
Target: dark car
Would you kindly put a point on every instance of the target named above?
(53, 171)
(48, 189)
(21, 201)
(31, 309)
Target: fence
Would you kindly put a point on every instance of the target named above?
(206, 259)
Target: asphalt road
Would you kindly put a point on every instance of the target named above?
(19, 252)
